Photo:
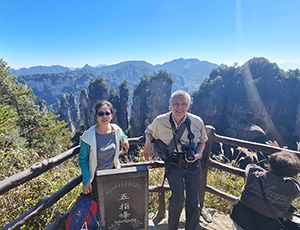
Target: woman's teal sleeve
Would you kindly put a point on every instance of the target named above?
(123, 135)
(83, 160)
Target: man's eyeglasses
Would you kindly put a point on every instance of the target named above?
(101, 114)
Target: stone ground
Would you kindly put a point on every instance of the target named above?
(220, 221)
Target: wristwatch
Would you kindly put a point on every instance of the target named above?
(198, 153)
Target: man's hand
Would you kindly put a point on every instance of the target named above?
(197, 156)
(148, 147)
(148, 151)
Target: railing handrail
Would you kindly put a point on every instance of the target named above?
(45, 203)
(208, 162)
(36, 170)
(41, 167)
(246, 144)
(47, 164)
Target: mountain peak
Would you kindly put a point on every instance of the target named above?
(87, 67)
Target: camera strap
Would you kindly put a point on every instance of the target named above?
(177, 133)
(191, 136)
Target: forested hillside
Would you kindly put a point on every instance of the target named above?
(25, 130)
(30, 134)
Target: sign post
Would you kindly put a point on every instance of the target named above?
(123, 198)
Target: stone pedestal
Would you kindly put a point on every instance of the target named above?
(123, 198)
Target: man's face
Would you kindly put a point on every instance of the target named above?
(179, 106)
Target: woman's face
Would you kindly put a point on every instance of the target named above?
(104, 115)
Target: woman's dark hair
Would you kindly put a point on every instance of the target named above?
(284, 163)
(100, 104)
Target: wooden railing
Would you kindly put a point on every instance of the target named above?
(207, 162)
(41, 167)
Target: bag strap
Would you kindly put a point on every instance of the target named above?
(266, 201)
(177, 133)
(191, 136)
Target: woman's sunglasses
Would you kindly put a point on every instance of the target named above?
(101, 114)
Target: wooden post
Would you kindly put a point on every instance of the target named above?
(162, 205)
(205, 163)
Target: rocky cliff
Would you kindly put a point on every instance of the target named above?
(257, 94)
(122, 110)
(98, 90)
(43, 106)
(83, 108)
(83, 114)
(48, 87)
(69, 111)
(139, 108)
(159, 92)
(150, 98)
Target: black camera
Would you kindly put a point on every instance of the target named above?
(189, 150)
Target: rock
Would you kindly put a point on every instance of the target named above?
(234, 99)
(150, 98)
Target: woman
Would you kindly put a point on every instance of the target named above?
(100, 147)
(265, 202)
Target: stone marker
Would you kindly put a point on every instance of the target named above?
(123, 198)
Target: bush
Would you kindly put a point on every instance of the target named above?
(24, 197)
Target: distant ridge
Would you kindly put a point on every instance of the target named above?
(178, 66)
(51, 82)
(39, 70)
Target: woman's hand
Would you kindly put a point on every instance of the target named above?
(125, 144)
(275, 144)
(87, 188)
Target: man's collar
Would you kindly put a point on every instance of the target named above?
(177, 126)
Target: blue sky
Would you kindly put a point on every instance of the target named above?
(78, 32)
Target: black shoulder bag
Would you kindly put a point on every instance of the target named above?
(164, 151)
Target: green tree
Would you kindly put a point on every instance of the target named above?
(27, 135)
(98, 89)
(21, 118)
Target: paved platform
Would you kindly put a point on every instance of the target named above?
(220, 221)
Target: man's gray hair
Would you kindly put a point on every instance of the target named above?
(180, 93)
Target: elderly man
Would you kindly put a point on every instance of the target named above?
(180, 140)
